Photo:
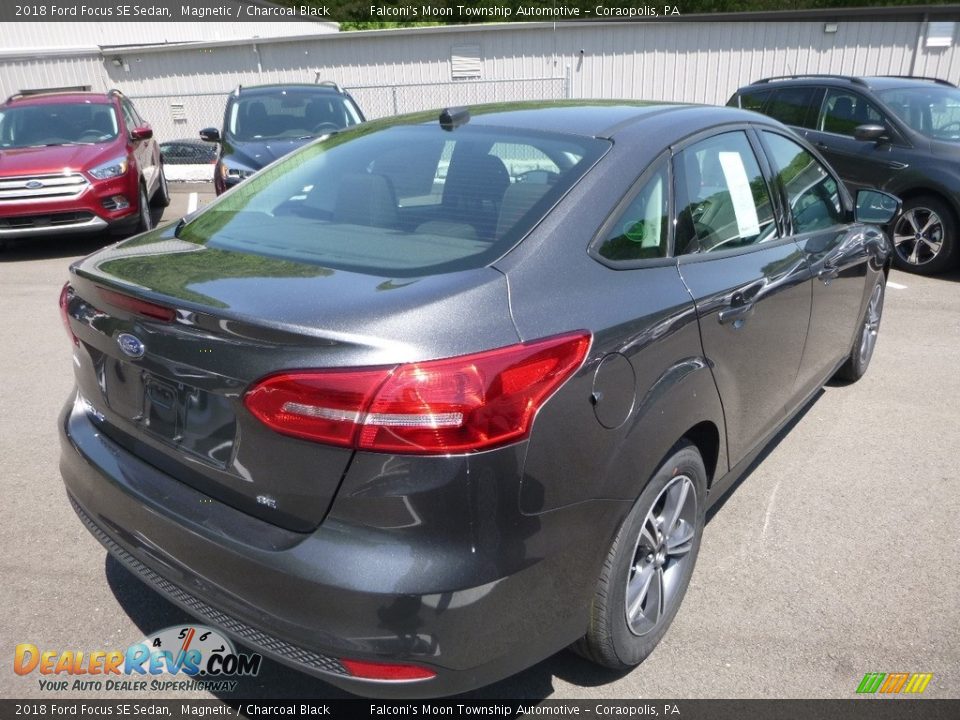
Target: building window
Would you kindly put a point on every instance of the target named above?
(465, 62)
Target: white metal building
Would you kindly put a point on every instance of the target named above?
(181, 87)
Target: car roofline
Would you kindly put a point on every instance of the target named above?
(865, 81)
(27, 98)
(325, 86)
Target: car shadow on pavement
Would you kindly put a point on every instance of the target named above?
(55, 246)
(64, 246)
(764, 453)
(950, 275)
(151, 612)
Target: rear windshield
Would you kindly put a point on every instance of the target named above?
(404, 200)
(57, 124)
(289, 114)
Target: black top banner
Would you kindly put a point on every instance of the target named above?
(375, 14)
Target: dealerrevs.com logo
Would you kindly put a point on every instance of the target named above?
(894, 683)
(190, 657)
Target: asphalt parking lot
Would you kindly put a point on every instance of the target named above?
(836, 556)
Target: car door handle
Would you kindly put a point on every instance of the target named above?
(828, 273)
(736, 314)
(822, 146)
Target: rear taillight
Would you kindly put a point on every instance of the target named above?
(66, 295)
(386, 671)
(462, 404)
(137, 306)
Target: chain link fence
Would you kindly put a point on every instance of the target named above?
(378, 101)
(175, 117)
(182, 116)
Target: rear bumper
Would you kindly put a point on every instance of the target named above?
(471, 614)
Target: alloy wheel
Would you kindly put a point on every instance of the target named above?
(661, 554)
(918, 236)
(146, 219)
(868, 339)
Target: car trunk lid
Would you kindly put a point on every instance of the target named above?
(172, 334)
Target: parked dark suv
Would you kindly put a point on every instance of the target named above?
(266, 122)
(899, 134)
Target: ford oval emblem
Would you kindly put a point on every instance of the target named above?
(33, 185)
(131, 346)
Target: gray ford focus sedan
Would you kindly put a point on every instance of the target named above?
(437, 396)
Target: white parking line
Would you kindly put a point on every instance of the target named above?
(195, 198)
(896, 286)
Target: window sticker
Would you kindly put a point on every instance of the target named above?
(748, 225)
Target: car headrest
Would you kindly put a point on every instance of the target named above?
(365, 199)
(517, 201)
(476, 177)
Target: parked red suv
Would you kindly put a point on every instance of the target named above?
(75, 162)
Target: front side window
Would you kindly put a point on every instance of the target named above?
(640, 232)
(399, 200)
(812, 193)
(129, 116)
(57, 124)
(843, 111)
(753, 99)
(932, 110)
(724, 202)
(132, 110)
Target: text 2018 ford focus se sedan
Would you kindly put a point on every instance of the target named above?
(433, 398)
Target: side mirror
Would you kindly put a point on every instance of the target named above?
(144, 132)
(210, 135)
(876, 208)
(870, 132)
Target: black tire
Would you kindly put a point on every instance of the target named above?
(161, 196)
(866, 340)
(145, 217)
(914, 241)
(613, 640)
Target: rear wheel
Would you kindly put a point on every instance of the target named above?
(925, 236)
(649, 565)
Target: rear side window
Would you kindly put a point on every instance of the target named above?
(793, 106)
(640, 232)
(403, 200)
(812, 193)
(724, 201)
(752, 99)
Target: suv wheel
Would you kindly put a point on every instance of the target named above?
(648, 568)
(145, 221)
(925, 236)
(161, 198)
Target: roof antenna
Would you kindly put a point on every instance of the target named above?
(454, 117)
